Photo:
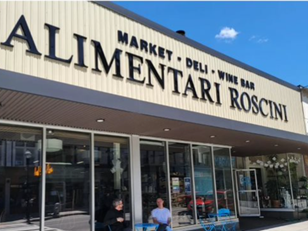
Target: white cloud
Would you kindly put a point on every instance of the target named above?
(262, 41)
(252, 38)
(227, 34)
(258, 39)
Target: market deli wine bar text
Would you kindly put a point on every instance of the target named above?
(202, 89)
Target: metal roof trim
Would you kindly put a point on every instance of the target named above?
(58, 90)
(148, 23)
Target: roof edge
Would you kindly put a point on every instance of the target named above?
(164, 30)
(57, 90)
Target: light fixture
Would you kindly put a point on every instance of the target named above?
(50, 132)
(52, 145)
(298, 148)
(167, 129)
(212, 136)
(100, 120)
(276, 145)
(247, 141)
(152, 142)
(28, 154)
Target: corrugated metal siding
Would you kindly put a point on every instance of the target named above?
(97, 23)
(305, 107)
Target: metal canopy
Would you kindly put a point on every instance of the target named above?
(26, 107)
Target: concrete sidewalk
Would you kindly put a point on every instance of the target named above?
(272, 224)
(298, 226)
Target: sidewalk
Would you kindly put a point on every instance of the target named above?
(272, 224)
(22, 227)
(299, 226)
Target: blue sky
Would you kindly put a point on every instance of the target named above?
(270, 36)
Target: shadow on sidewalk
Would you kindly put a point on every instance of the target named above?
(258, 224)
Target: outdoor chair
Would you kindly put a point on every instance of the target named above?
(227, 224)
(207, 225)
(99, 226)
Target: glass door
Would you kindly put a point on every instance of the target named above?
(247, 192)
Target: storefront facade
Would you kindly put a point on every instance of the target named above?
(99, 103)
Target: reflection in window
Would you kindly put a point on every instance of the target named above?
(180, 184)
(223, 174)
(153, 176)
(19, 187)
(112, 176)
(67, 180)
(273, 179)
(299, 181)
(202, 163)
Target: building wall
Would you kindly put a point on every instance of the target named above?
(305, 107)
(97, 23)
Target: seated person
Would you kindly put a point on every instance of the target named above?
(115, 217)
(161, 216)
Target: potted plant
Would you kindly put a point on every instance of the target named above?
(272, 191)
(302, 186)
(305, 211)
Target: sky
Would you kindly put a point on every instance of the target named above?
(269, 36)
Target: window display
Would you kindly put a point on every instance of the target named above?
(19, 186)
(153, 176)
(205, 200)
(67, 198)
(180, 172)
(112, 176)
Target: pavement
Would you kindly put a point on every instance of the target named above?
(272, 224)
(246, 224)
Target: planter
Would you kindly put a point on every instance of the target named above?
(275, 203)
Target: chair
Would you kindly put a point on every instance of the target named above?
(227, 223)
(99, 226)
(207, 226)
(146, 226)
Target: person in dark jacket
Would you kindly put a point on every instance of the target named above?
(115, 217)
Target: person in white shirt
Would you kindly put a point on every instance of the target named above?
(161, 216)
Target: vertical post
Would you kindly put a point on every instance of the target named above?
(193, 187)
(117, 173)
(136, 190)
(290, 180)
(7, 197)
(92, 183)
(214, 179)
(232, 180)
(43, 178)
(28, 155)
(168, 178)
(27, 193)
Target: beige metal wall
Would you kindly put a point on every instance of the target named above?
(100, 24)
(305, 106)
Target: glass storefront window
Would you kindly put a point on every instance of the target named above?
(112, 176)
(277, 183)
(180, 174)
(19, 186)
(274, 180)
(223, 174)
(298, 179)
(153, 176)
(205, 200)
(67, 199)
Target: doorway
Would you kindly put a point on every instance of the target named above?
(247, 192)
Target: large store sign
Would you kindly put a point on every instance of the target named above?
(202, 89)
